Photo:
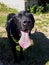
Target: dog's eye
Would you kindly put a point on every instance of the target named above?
(28, 21)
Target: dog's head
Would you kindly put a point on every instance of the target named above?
(25, 22)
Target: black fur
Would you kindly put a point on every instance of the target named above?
(15, 23)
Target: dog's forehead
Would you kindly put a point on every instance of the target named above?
(25, 18)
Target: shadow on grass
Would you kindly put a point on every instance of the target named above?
(38, 54)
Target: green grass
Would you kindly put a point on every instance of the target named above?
(37, 54)
(2, 21)
(4, 8)
(4, 11)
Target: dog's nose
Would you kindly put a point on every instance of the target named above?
(25, 23)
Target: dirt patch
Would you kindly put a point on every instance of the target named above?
(3, 14)
(3, 32)
(2, 29)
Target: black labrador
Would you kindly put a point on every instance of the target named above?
(23, 21)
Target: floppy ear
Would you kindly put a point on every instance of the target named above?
(32, 18)
(27, 13)
(15, 19)
(10, 16)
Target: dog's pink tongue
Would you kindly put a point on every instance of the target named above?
(24, 41)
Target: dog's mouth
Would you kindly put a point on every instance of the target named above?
(24, 41)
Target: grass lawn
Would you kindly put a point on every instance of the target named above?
(38, 52)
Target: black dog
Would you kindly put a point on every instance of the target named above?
(23, 21)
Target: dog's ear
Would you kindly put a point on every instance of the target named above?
(32, 17)
(15, 19)
(10, 16)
